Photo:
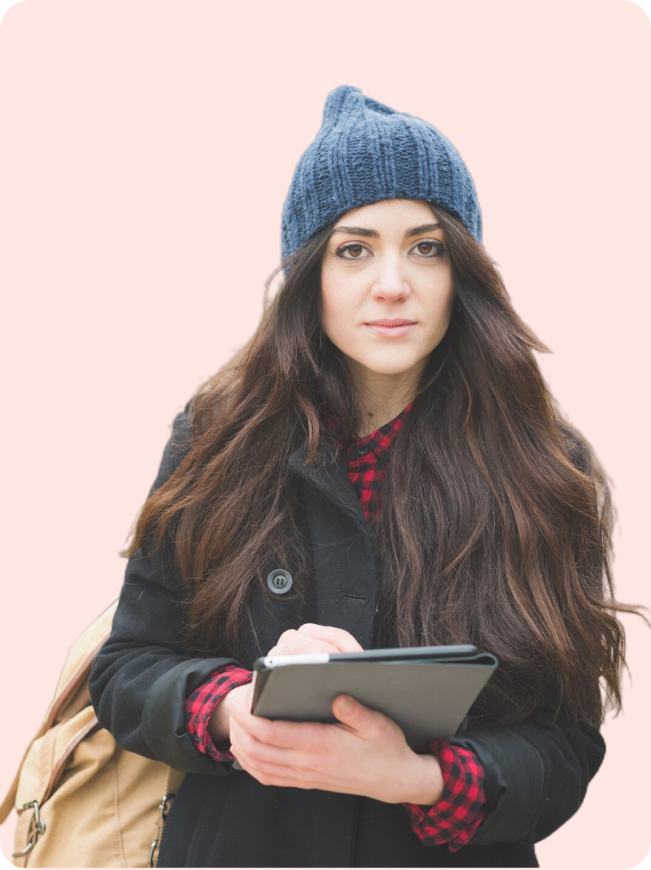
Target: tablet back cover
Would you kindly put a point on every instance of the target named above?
(426, 700)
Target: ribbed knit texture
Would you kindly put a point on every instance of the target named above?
(365, 152)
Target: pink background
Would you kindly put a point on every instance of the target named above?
(146, 151)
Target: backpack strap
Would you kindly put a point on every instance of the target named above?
(9, 799)
(74, 676)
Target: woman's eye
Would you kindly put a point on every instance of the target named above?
(433, 249)
(355, 250)
(429, 250)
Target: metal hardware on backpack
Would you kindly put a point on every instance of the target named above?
(71, 749)
(39, 828)
(162, 806)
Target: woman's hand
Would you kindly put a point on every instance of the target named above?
(219, 724)
(312, 638)
(309, 638)
(365, 753)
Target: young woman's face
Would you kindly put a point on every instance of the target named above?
(387, 260)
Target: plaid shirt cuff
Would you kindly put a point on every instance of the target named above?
(455, 818)
(200, 704)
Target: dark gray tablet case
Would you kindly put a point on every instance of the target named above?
(426, 690)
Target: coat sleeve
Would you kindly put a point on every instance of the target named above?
(143, 672)
(537, 772)
(202, 702)
(536, 775)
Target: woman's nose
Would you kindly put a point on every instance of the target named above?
(390, 280)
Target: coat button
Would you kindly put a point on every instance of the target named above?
(361, 449)
(280, 581)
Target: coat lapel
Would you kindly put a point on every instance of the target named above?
(345, 557)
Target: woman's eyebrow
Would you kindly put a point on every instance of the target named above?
(373, 234)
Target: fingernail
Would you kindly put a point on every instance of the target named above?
(345, 703)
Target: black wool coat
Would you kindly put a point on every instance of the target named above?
(537, 772)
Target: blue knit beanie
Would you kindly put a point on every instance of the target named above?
(365, 152)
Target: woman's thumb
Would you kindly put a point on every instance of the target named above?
(346, 709)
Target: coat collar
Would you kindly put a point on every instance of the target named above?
(332, 480)
(345, 563)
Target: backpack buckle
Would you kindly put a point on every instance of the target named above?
(162, 806)
(39, 828)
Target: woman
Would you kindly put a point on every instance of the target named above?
(344, 485)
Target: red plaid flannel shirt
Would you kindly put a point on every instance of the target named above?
(457, 815)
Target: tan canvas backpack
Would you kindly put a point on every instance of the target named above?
(82, 800)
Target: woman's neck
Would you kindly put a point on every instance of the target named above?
(378, 410)
(382, 396)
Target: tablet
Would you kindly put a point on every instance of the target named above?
(427, 690)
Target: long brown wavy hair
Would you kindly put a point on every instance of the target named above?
(496, 520)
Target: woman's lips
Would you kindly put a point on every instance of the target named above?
(391, 331)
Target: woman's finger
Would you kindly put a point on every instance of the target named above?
(258, 752)
(294, 643)
(343, 640)
(280, 732)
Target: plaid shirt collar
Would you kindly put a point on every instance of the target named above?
(366, 451)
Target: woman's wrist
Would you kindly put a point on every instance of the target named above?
(218, 725)
(424, 784)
